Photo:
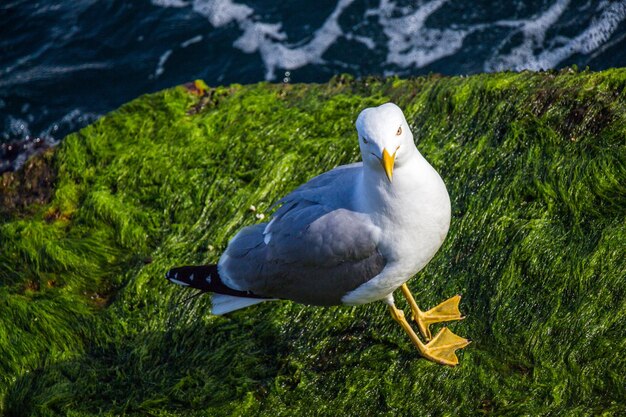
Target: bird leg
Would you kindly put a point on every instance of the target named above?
(446, 311)
(441, 349)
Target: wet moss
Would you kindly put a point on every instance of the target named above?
(535, 164)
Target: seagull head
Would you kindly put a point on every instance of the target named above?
(384, 137)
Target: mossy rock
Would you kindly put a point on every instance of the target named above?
(535, 164)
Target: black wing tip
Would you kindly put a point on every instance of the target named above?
(205, 278)
(172, 276)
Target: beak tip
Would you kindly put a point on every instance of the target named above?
(387, 161)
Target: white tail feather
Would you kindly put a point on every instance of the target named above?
(222, 304)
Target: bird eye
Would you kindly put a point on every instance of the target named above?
(364, 140)
(399, 132)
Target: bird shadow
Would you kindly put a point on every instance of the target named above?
(189, 363)
(195, 361)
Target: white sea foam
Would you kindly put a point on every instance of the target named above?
(170, 3)
(222, 12)
(277, 52)
(409, 41)
(365, 40)
(268, 39)
(161, 65)
(536, 53)
(590, 39)
(534, 32)
(15, 75)
(191, 41)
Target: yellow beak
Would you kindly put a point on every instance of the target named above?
(387, 162)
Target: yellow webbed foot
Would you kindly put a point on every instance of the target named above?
(441, 349)
(446, 311)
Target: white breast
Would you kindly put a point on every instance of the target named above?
(414, 219)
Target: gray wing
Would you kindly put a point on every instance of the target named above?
(314, 251)
(332, 189)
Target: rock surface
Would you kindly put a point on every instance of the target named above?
(535, 164)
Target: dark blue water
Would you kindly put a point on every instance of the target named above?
(65, 63)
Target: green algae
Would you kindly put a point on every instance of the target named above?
(535, 164)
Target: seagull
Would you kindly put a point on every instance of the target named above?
(350, 236)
